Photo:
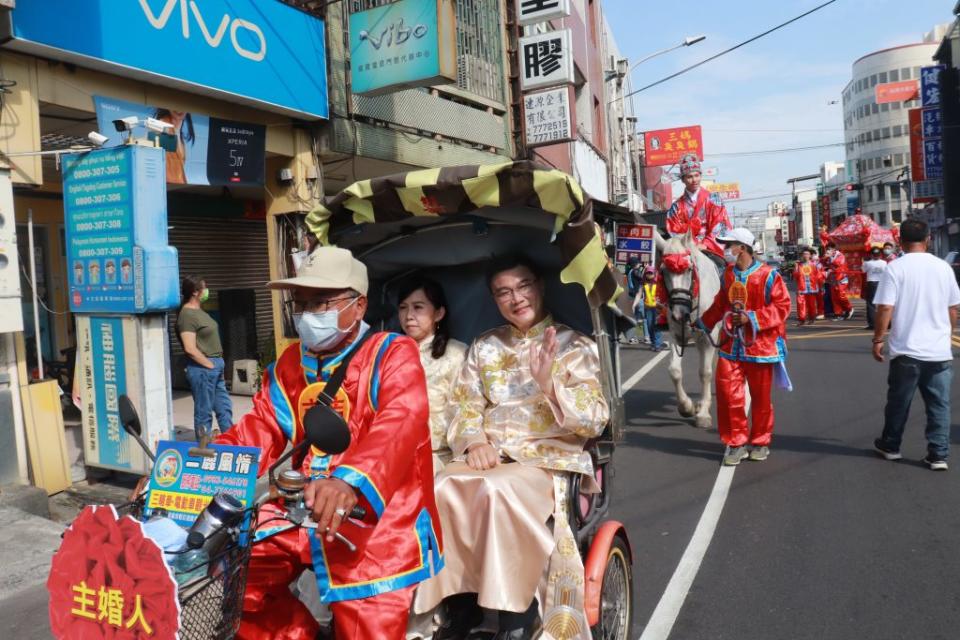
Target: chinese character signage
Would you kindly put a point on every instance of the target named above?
(261, 53)
(930, 86)
(534, 11)
(548, 116)
(726, 190)
(926, 153)
(109, 580)
(115, 210)
(104, 340)
(183, 485)
(635, 241)
(208, 150)
(897, 91)
(667, 146)
(546, 60)
(410, 43)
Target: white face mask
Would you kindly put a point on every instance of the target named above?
(321, 331)
(729, 256)
(887, 252)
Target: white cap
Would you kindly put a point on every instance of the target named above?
(328, 268)
(741, 235)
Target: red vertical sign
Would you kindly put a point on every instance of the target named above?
(917, 173)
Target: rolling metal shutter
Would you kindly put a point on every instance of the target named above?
(230, 253)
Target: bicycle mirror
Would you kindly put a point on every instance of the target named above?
(128, 416)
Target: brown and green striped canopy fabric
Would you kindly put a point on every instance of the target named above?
(457, 190)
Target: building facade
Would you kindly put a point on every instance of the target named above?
(877, 135)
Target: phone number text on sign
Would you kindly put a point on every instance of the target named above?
(548, 116)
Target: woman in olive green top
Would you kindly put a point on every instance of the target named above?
(200, 337)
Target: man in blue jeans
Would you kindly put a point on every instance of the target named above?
(920, 294)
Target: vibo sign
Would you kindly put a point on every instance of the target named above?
(231, 49)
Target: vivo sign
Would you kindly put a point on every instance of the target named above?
(261, 52)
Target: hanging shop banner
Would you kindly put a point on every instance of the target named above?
(115, 211)
(897, 91)
(930, 85)
(264, 54)
(711, 172)
(635, 241)
(410, 43)
(208, 151)
(534, 11)
(726, 190)
(667, 146)
(548, 116)
(546, 60)
(183, 484)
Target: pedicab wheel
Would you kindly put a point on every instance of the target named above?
(616, 595)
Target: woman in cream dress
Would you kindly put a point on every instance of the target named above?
(423, 317)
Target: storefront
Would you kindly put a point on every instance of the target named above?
(238, 134)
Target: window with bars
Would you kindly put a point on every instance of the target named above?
(479, 45)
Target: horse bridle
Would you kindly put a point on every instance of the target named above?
(689, 298)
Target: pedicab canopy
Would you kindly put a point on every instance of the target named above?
(491, 191)
(861, 233)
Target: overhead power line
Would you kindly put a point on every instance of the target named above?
(733, 48)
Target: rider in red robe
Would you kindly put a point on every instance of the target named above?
(752, 305)
(698, 211)
(836, 264)
(807, 276)
(388, 468)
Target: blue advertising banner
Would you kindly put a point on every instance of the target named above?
(109, 383)
(261, 52)
(410, 43)
(209, 150)
(930, 85)
(933, 158)
(183, 485)
(115, 210)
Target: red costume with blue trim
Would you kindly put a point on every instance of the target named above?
(809, 280)
(389, 463)
(706, 220)
(750, 356)
(838, 279)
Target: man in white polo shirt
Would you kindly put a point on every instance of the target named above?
(919, 293)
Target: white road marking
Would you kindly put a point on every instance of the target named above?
(668, 609)
(644, 370)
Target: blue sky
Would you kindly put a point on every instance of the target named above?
(770, 94)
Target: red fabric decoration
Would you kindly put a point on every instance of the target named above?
(860, 233)
(104, 563)
(677, 262)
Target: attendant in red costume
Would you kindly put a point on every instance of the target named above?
(807, 276)
(388, 468)
(836, 264)
(752, 305)
(698, 211)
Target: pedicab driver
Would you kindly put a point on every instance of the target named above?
(388, 468)
(698, 211)
(527, 400)
(752, 305)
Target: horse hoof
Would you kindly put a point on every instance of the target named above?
(686, 412)
(703, 423)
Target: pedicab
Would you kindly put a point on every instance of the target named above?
(447, 224)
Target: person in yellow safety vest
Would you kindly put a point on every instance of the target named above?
(647, 296)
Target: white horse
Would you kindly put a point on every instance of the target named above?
(691, 286)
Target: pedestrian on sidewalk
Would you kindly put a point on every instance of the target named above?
(646, 303)
(919, 293)
(752, 307)
(634, 288)
(808, 280)
(200, 338)
(836, 264)
(872, 270)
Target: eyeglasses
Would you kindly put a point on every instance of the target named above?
(522, 290)
(316, 306)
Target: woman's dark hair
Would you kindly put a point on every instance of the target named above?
(507, 263)
(434, 293)
(189, 286)
(186, 129)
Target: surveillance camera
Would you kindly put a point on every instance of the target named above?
(126, 124)
(158, 126)
(97, 138)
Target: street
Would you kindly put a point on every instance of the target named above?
(823, 540)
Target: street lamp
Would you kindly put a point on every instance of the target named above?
(686, 42)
